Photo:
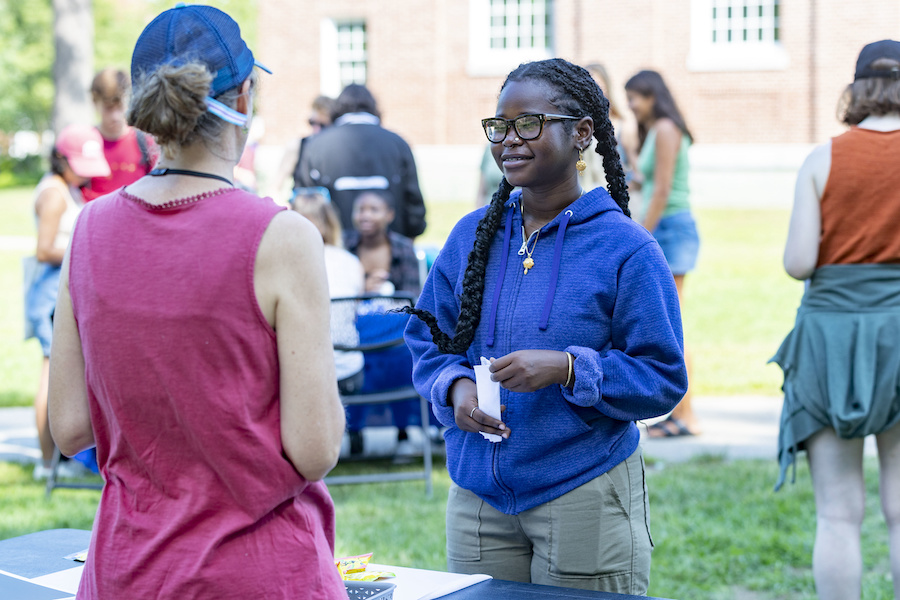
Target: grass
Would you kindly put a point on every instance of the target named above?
(720, 531)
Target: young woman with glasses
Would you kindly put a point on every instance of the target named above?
(574, 303)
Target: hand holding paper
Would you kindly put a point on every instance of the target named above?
(488, 395)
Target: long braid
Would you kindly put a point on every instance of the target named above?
(473, 281)
(578, 95)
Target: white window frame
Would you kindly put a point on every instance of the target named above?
(705, 54)
(331, 80)
(487, 61)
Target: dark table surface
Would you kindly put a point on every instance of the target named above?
(44, 552)
(497, 589)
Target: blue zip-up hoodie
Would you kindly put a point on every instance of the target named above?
(600, 288)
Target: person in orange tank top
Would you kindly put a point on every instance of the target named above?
(841, 362)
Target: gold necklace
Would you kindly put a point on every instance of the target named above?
(528, 263)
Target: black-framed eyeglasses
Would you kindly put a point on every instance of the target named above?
(528, 127)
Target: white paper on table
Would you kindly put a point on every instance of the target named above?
(488, 395)
(455, 586)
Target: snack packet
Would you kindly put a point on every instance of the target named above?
(352, 564)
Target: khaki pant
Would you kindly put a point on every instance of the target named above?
(596, 537)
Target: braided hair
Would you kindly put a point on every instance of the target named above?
(575, 93)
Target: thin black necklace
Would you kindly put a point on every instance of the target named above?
(161, 172)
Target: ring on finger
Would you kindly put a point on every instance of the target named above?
(472, 414)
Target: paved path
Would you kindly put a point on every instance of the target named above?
(733, 427)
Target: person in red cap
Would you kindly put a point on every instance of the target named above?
(193, 349)
(841, 362)
(76, 157)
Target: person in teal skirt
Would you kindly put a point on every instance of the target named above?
(841, 362)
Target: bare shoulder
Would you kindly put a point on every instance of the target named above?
(50, 201)
(289, 235)
(817, 165)
(666, 127)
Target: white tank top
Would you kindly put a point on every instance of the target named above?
(73, 207)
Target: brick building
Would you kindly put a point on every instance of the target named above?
(743, 71)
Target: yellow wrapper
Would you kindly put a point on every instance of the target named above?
(352, 564)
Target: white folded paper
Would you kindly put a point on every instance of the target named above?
(488, 395)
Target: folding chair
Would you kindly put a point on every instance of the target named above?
(54, 482)
(368, 325)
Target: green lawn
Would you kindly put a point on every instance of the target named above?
(720, 531)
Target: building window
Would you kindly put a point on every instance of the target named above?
(505, 33)
(519, 24)
(744, 21)
(344, 55)
(736, 35)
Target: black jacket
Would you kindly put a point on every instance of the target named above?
(352, 157)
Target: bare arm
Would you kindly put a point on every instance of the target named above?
(292, 291)
(50, 206)
(801, 252)
(70, 417)
(668, 142)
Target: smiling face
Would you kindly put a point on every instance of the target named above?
(371, 214)
(544, 162)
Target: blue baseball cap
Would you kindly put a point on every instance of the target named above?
(189, 33)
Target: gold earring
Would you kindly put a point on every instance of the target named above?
(581, 165)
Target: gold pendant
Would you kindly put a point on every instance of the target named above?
(527, 263)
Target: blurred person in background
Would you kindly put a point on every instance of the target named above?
(130, 153)
(355, 154)
(288, 170)
(841, 362)
(626, 139)
(346, 278)
(192, 347)
(662, 176)
(76, 158)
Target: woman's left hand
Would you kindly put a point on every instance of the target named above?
(530, 370)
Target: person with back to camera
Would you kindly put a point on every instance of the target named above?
(192, 347)
(581, 319)
(841, 362)
(130, 153)
(355, 154)
(663, 179)
(77, 156)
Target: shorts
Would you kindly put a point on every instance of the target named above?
(595, 537)
(40, 302)
(678, 238)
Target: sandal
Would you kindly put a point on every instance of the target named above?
(664, 428)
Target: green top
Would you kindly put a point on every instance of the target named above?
(678, 200)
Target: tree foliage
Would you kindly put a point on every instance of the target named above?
(26, 62)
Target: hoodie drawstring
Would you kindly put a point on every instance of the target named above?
(554, 274)
(507, 236)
